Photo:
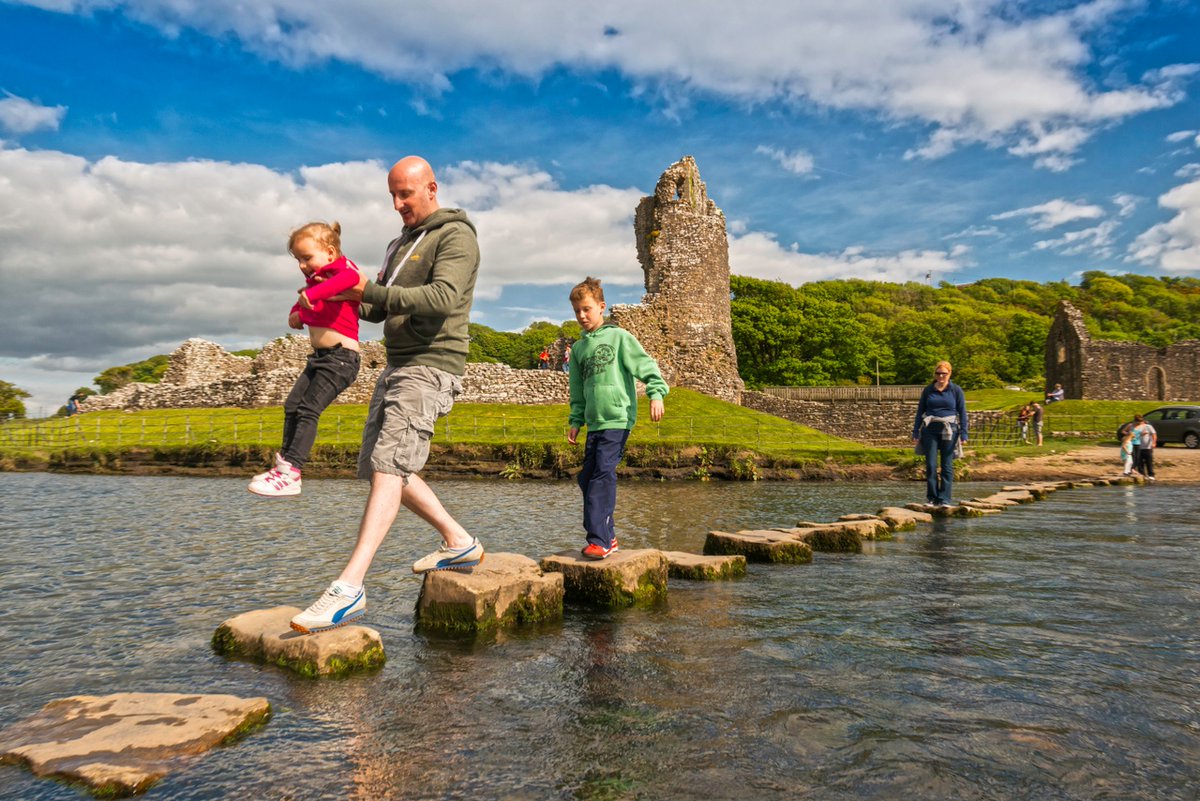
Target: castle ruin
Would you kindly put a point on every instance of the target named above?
(684, 320)
(1094, 369)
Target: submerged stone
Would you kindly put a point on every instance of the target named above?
(829, 537)
(123, 743)
(627, 578)
(778, 546)
(505, 591)
(695, 567)
(265, 635)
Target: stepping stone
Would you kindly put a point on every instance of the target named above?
(984, 508)
(829, 537)
(777, 546)
(122, 744)
(1038, 491)
(505, 591)
(869, 527)
(695, 567)
(899, 518)
(265, 636)
(945, 511)
(627, 578)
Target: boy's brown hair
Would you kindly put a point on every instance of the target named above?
(588, 286)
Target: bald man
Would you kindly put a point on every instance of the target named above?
(423, 298)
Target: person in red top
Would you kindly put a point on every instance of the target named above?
(333, 364)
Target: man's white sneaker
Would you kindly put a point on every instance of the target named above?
(276, 483)
(447, 558)
(334, 608)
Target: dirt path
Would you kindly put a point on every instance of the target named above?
(1171, 463)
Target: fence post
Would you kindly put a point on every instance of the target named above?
(187, 429)
(503, 426)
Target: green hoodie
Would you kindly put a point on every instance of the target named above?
(604, 364)
(426, 309)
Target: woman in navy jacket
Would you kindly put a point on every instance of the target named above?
(939, 428)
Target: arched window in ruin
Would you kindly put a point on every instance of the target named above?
(1114, 374)
(1156, 383)
(1062, 352)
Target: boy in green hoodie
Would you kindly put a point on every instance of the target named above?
(604, 363)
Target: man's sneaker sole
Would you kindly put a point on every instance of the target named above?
(344, 621)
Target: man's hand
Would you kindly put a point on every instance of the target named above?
(304, 301)
(294, 321)
(353, 293)
(573, 435)
(656, 409)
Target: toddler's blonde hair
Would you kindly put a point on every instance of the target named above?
(325, 234)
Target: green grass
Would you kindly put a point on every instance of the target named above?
(692, 419)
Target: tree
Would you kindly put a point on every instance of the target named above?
(11, 397)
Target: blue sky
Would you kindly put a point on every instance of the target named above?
(155, 154)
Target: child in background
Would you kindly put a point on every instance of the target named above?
(333, 364)
(1127, 450)
(604, 363)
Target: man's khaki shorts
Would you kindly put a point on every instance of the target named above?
(406, 403)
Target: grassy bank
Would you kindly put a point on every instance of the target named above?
(699, 437)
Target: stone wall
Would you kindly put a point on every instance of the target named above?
(684, 319)
(202, 374)
(874, 421)
(1093, 369)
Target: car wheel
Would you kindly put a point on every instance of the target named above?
(1191, 439)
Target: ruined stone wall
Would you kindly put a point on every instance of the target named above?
(875, 421)
(684, 319)
(1093, 369)
(267, 379)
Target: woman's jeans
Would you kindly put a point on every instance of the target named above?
(934, 446)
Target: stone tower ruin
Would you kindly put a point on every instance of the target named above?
(684, 319)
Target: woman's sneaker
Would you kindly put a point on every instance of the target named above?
(594, 551)
(447, 558)
(336, 607)
(277, 483)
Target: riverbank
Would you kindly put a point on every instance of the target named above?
(659, 462)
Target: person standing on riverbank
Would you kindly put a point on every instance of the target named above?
(423, 297)
(940, 429)
(1037, 410)
(333, 364)
(604, 363)
(1145, 437)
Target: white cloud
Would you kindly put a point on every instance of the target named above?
(21, 116)
(1191, 170)
(798, 162)
(1053, 213)
(1180, 136)
(972, 71)
(975, 230)
(1126, 204)
(1096, 241)
(759, 255)
(1174, 245)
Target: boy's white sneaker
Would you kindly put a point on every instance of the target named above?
(276, 483)
(334, 608)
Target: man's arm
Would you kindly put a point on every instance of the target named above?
(452, 277)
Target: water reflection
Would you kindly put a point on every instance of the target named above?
(1048, 652)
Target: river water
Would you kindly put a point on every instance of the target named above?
(1050, 652)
